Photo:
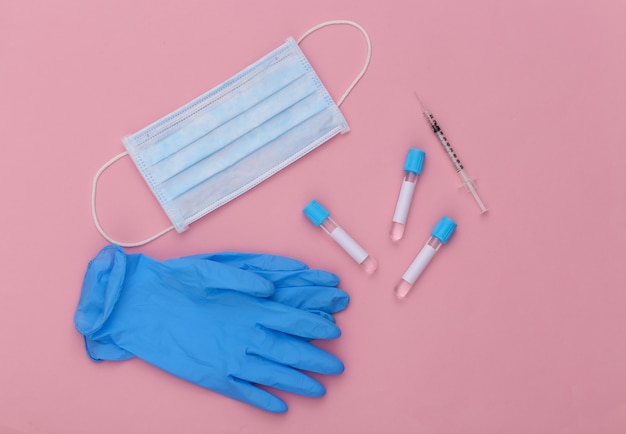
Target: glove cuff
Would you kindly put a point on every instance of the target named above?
(102, 285)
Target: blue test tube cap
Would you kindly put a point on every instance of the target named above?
(444, 229)
(315, 212)
(414, 161)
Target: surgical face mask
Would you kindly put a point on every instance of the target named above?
(233, 137)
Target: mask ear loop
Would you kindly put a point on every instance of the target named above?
(369, 49)
(94, 214)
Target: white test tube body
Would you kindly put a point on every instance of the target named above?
(413, 165)
(417, 267)
(440, 234)
(352, 248)
(398, 222)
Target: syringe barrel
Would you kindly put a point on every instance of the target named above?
(456, 162)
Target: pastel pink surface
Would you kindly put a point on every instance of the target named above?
(518, 324)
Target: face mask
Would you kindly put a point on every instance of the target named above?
(235, 136)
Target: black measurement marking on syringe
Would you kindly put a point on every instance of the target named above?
(446, 144)
(451, 153)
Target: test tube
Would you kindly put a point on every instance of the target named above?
(439, 235)
(412, 169)
(319, 216)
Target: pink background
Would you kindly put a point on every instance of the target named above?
(518, 325)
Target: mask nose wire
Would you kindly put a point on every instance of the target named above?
(369, 49)
(94, 213)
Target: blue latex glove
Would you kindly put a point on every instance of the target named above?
(205, 322)
(294, 284)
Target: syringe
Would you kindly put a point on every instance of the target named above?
(453, 157)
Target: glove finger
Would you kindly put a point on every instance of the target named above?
(278, 269)
(198, 372)
(262, 371)
(328, 316)
(243, 391)
(298, 322)
(290, 351)
(313, 298)
(253, 261)
(198, 273)
(300, 278)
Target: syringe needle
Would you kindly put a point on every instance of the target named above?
(424, 109)
(456, 162)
